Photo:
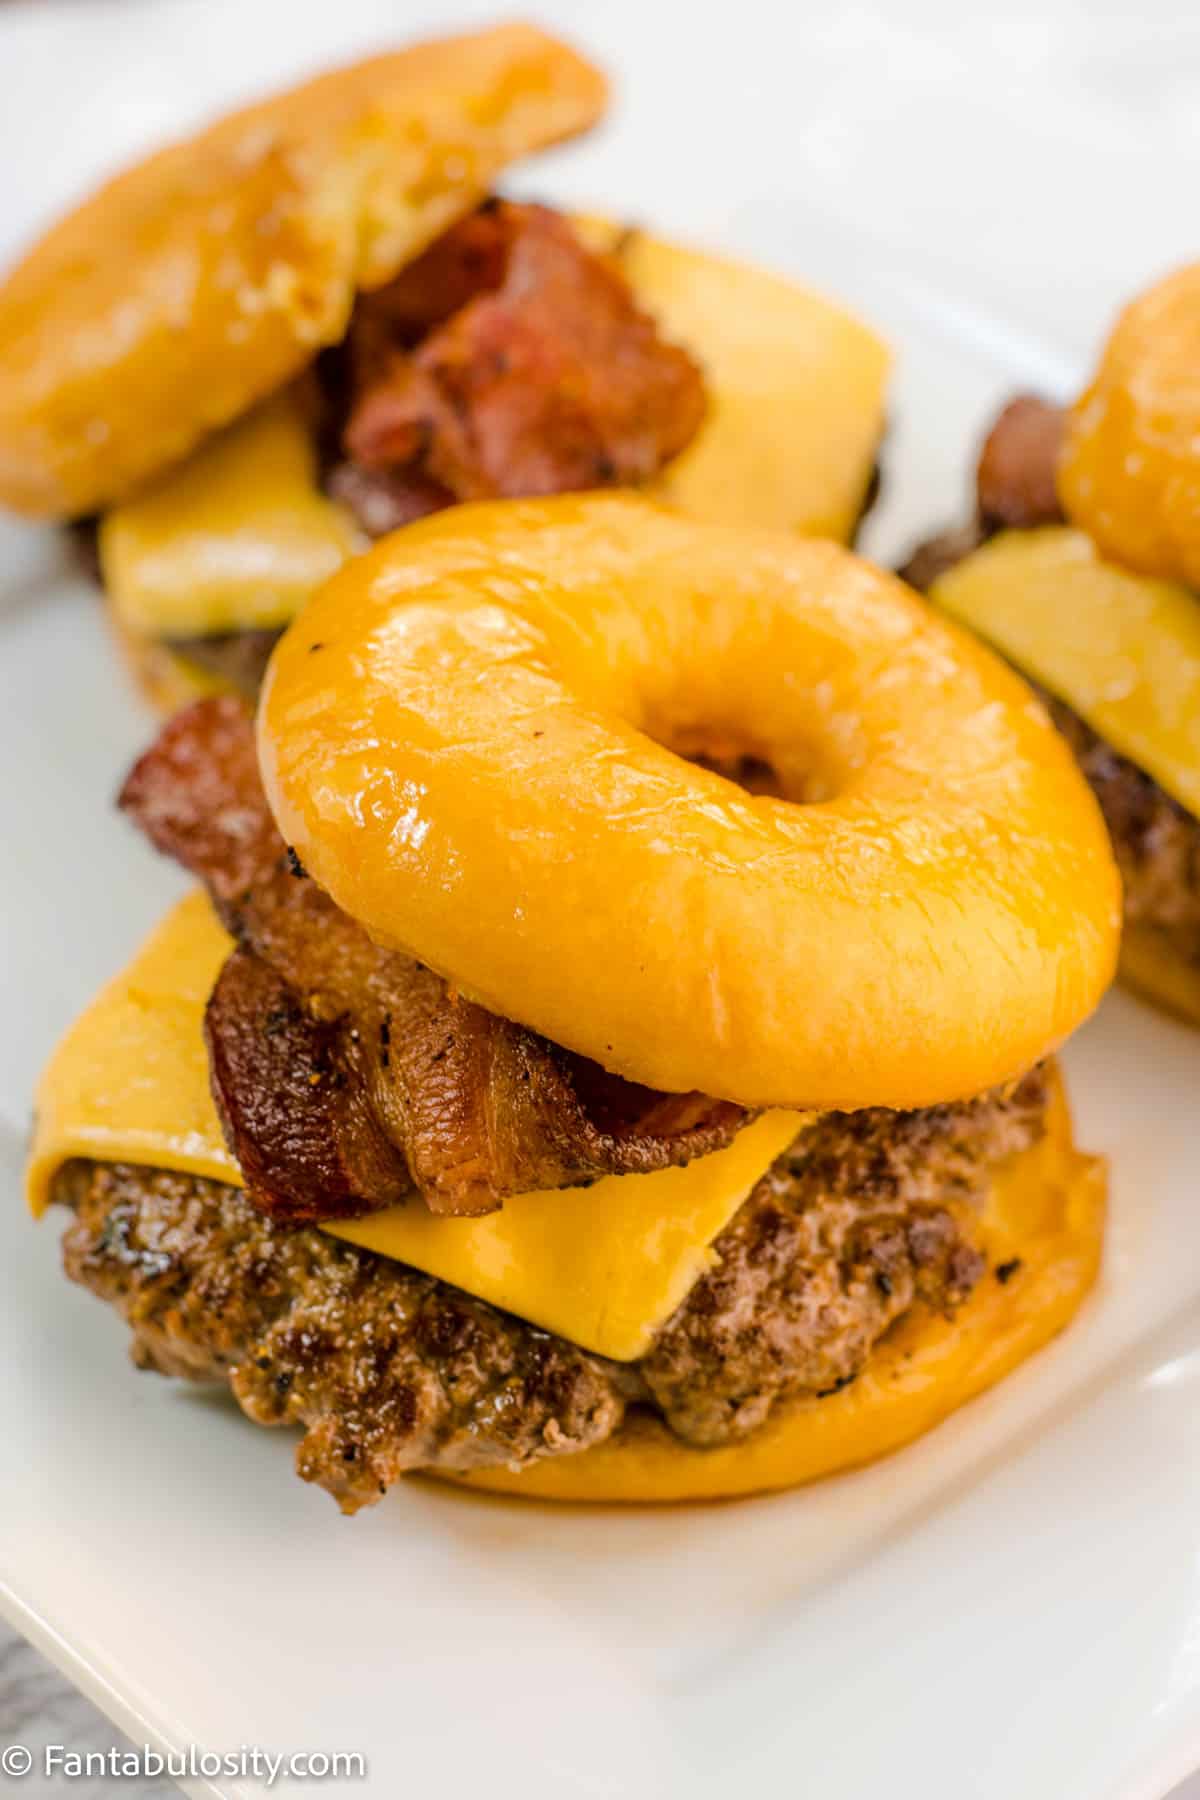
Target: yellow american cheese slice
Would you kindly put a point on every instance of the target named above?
(236, 539)
(796, 388)
(1122, 650)
(603, 1266)
(240, 535)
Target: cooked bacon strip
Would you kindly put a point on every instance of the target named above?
(347, 1074)
(509, 360)
(1016, 482)
(304, 1132)
(383, 500)
(1015, 488)
(467, 260)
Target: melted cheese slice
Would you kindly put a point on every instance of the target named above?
(796, 388)
(240, 535)
(1122, 650)
(603, 1266)
(234, 540)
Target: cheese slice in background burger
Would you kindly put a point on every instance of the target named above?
(311, 323)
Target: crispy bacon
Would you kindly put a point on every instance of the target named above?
(347, 1075)
(306, 1137)
(1016, 482)
(509, 360)
(383, 500)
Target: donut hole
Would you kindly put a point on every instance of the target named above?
(486, 768)
(748, 771)
(798, 778)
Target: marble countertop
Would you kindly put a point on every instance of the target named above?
(38, 1707)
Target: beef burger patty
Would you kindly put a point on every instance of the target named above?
(866, 1216)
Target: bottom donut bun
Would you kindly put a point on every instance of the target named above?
(1042, 1231)
(1152, 969)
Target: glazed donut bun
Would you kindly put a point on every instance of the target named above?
(1129, 471)
(205, 278)
(502, 742)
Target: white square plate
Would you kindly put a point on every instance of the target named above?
(1010, 1607)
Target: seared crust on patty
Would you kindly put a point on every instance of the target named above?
(866, 1215)
(390, 1370)
(1157, 841)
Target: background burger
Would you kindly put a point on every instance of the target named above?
(1081, 567)
(269, 344)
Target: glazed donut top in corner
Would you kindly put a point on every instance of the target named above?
(1129, 472)
(488, 741)
(209, 275)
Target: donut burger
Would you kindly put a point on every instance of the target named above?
(262, 348)
(1081, 566)
(612, 1057)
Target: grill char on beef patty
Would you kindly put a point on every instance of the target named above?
(389, 1370)
(1155, 839)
